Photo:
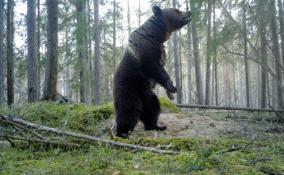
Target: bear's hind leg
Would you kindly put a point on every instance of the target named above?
(127, 117)
(151, 111)
(125, 124)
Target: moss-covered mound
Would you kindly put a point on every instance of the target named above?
(77, 117)
(168, 106)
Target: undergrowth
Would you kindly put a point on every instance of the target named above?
(224, 155)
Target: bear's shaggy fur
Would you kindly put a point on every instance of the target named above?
(141, 68)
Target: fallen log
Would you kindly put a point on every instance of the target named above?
(50, 142)
(231, 108)
(83, 136)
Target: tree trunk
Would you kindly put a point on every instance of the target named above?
(97, 78)
(263, 54)
(215, 55)
(10, 52)
(208, 58)
(67, 89)
(32, 65)
(177, 65)
(281, 22)
(2, 89)
(189, 64)
(246, 55)
(139, 13)
(276, 53)
(128, 18)
(82, 49)
(38, 47)
(51, 72)
(114, 34)
(195, 43)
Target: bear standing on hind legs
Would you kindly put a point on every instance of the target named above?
(141, 68)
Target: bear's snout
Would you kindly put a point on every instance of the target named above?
(187, 17)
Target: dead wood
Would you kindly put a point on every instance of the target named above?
(89, 138)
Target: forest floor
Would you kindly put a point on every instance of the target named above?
(207, 125)
(208, 142)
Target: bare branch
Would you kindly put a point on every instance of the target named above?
(83, 136)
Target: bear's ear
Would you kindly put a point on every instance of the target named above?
(157, 11)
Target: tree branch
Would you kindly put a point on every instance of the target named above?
(83, 136)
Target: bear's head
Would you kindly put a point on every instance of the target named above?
(174, 19)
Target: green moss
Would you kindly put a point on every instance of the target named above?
(168, 106)
(198, 156)
(77, 117)
(201, 157)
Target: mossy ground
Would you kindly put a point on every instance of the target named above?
(198, 155)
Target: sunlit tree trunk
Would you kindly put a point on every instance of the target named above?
(51, 72)
(2, 89)
(10, 52)
(32, 65)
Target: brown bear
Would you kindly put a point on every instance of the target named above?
(141, 68)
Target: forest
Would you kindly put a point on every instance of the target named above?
(58, 60)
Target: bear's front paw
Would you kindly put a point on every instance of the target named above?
(170, 95)
(170, 87)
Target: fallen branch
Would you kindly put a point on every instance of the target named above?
(83, 136)
(264, 159)
(50, 142)
(230, 108)
(24, 128)
(237, 148)
(270, 171)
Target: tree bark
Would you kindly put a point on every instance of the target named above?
(128, 18)
(38, 47)
(276, 53)
(208, 57)
(51, 72)
(281, 22)
(189, 63)
(246, 55)
(215, 55)
(32, 52)
(10, 52)
(195, 42)
(97, 78)
(263, 54)
(177, 64)
(2, 89)
(82, 49)
(139, 13)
